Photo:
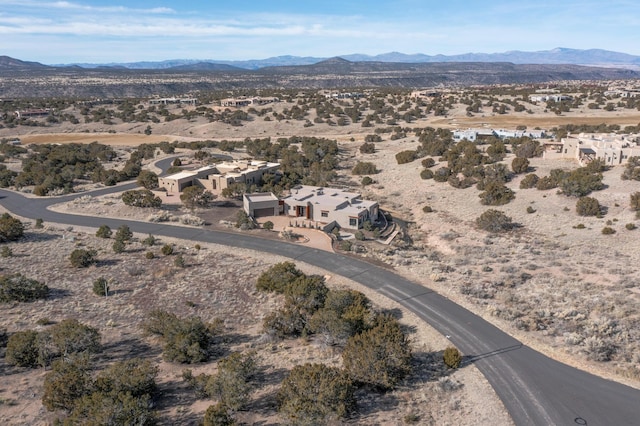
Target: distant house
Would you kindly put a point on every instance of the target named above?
(477, 135)
(545, 97)
(220, 176)
(34, 112)
(613, 149)
(167, 101)
(243, 102)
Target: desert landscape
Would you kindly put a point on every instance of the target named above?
(556, 282)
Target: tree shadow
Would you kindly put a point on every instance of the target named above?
(129, 348)
(106, 262)
(57, 293)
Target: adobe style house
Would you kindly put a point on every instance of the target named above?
(317, 204)
(220, 176)
(613, 149)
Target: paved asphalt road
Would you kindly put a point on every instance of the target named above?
(535, 389)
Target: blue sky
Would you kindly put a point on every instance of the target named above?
(54, 32)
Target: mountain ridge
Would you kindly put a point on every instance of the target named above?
(558, 55)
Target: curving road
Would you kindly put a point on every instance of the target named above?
(535, 389)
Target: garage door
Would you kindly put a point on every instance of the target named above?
(268, 211)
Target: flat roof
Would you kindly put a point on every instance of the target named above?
(261, 196)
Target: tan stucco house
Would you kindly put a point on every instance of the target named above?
(322, 205)
(220, 176)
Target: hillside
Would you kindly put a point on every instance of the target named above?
(20, 79)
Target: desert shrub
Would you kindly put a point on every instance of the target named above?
(442, 174)
(177, 162)
(427, 209)
(407, 156)
(428, 162)
(167, 249)
(580, 226)
(118, 246)
(528, 149)
(179, 261)
(147, 179)
(268, 225)
(581, 182)
(529, 181)
(284, 322)
(195, 196)
(306, 294)
(380, 356)
(367, 148)
(519, 165)
(278, 277)
(366, 181)
(345, 313)
(345, 245)
(608, 230)
(530, 210)
(71, 337)
(630, 226)
(218, 414)
(101, 287)
(81, 258)
(67, 382)
(149, 255)
(231, 385)
(588, 206)
(634, 201)
(141, 198)
(329, 399)
(452, 357)
(243, 221)
(121, 394)
(11, 229)
(18, 288)
(426, 174)
(39, 223)
(150, 241)
(104, 232)
(599, 349)
(22, 349)
(122, 408)
(133, 376)
(494, 221)
(496, 194)
(186, 340)
(632, 169)
(123, 233)
(6, 252)
(364, 168)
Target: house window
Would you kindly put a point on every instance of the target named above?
(324, 213)
(353, 222)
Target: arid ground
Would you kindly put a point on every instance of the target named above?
(563, 289)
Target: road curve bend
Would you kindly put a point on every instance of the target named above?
(535, 389)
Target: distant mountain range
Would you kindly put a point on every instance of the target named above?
(178, 77)
(559, 55)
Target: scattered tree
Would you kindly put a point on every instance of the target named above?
(11, 229)
(380, 356)
(494, 221)
(81, 258)
(330, 398)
